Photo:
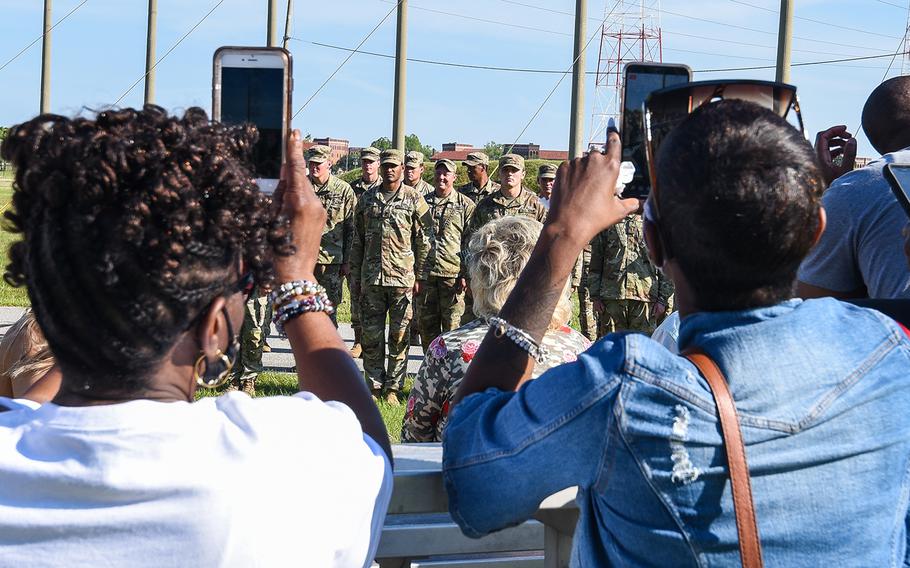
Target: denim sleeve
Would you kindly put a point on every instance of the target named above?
(505, 452)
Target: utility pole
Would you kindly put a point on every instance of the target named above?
(150, 47)
(46, 60)
(576, 128)
(273, 14)
(287, 24)
(401, 69)
(784, 41)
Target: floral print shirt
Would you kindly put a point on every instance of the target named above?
(445, 364)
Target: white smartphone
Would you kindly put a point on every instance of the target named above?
(253, 85)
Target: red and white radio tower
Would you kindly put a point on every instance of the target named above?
(631, 32)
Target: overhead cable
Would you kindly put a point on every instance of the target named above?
(40, 37)
(346, 59)
(168, 52)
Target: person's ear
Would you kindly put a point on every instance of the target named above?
(653, 243)
(210, 327)
(822, 223)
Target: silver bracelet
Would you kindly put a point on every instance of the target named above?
(519, 337)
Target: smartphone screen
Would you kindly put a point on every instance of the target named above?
(640, 79)
(899, 177)
(251, 87)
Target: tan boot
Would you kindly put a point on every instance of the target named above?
(248, 386)
(391, 398)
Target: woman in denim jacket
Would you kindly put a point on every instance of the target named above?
(820, 386)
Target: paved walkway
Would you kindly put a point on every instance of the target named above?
(280, 359)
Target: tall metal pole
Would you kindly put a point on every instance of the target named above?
(273, 15)
(576, 124)
(401, 68)
(150, 47)
(46, 60)
(784, 41)
(287, 24)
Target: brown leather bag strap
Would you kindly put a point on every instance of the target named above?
(746, 526)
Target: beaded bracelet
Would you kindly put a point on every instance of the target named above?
(519, 337)
(295, 308)
(290, 290)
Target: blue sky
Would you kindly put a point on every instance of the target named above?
(99, 52)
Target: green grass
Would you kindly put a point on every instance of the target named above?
(9, 296)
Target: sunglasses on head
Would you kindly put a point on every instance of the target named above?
(667, 108)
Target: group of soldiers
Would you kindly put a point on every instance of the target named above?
(399, 240)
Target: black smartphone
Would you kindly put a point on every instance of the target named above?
(898, 175)
(253, 85)
(640, 79)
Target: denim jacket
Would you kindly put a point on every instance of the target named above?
(823, 394)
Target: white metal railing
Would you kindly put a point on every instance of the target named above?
(418, 524)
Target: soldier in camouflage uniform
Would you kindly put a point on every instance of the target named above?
(369, 178)
(629, 293)
(257, 320)
(388, 260)
(546, 179)
(413, 176)
(440, 302)
(413, 173)
(480, 186)
(337, 197)
(511, 199)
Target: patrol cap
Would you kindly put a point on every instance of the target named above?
(547, 171)
(446, 163)
(319, 154)
(513, 160)
(413, 159)
(476, 159)
(390, 156)
(369, 154)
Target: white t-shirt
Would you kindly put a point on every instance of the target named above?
(227, 481)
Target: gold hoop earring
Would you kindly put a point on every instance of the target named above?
(208, 378)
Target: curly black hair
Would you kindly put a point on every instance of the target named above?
(132, 224)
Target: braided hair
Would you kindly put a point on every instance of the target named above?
(132, 223)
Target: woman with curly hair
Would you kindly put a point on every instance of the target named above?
(495, 256)
(142, 234)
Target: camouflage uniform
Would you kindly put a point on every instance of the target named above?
(475, 194)
(587, 320)
(257, 319)
(337, 237)
(440, 302)
(623, 278)
(360, 187)
(389, 254)
(497, 205)
(445, 365)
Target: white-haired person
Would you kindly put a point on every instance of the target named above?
(495, 256)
